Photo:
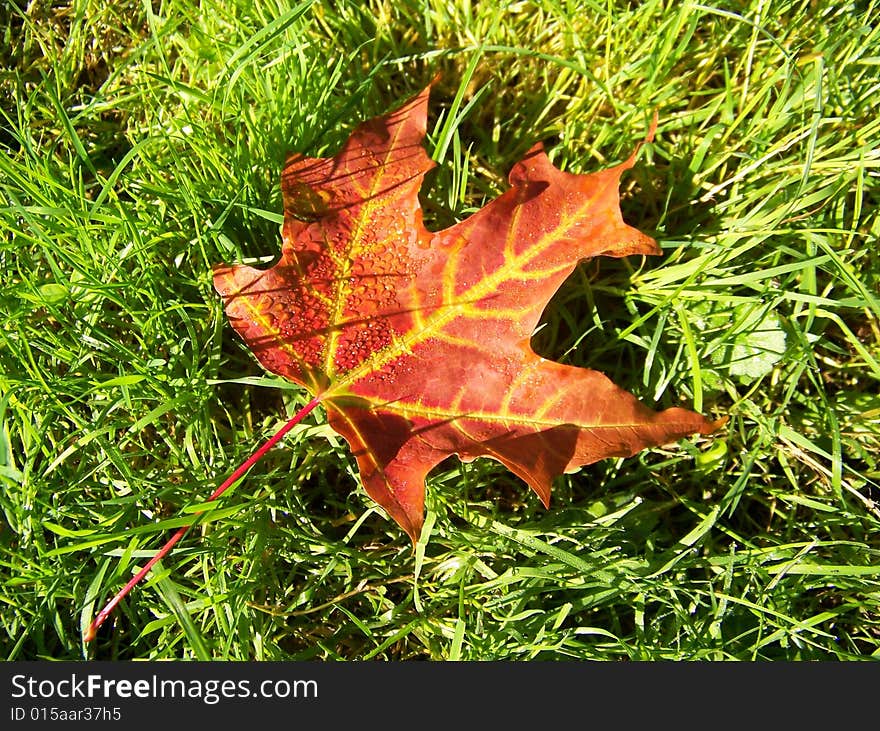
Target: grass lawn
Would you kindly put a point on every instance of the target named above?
(142, 143)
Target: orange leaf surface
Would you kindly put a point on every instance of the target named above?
(417, 343)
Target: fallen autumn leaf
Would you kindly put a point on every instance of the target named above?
(417, 342)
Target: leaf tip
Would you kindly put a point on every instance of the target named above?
(649, 137)
(435, 79)
(412, 526)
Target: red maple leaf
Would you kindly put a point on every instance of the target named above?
(417, 342)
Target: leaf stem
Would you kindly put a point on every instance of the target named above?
(89, 634)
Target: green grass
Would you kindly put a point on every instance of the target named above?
(142, 144)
